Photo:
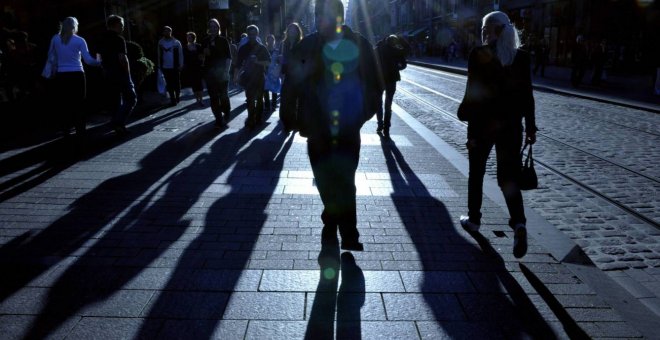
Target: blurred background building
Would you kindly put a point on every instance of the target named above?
(432, 27)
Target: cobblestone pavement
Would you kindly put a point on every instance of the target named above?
(569, 126)
(180, 230)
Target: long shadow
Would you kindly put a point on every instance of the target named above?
(346, 302)
(350, 299)
(451, 290)
(149, 228)
(321, 323)
(53, 157)
(195, 297)
(50, 158)
(30, 256)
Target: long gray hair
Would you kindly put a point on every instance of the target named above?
(507, 40)
(68, 29)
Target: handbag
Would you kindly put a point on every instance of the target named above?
(50, 69)
(528, 179)
(160, 82)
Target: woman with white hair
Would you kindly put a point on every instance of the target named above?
(497, 97)
(69, 50)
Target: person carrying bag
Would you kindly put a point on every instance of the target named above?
(497, 97)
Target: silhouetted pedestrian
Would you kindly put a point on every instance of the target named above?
(332, 72)
(170, 62)
(498, 95)
(579, 59)
(70, 82)
(542, 53)
(272, 83)
(392, 59)
(292, 36)
(193, 58)
(217, 61)
(253, 60)
(598, 58)
(117, 73)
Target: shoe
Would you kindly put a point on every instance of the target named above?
(519, 240)
(469, 225)
(220, 123)
(120, 130)
(352, 245)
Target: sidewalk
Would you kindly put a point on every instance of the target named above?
(633, 91)
(181, 231)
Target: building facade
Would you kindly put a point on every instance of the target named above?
(629, 26)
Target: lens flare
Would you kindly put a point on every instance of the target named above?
(337, 69)
(329, 273)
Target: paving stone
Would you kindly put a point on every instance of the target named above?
(114, 328)
(590, 314)
(436, 282)
(346, 306)
(265, 306)
(275, 330)
(459, 330)
(203, 329)
(186, 305)
(202, 235)
(414, 306)
(17, 326)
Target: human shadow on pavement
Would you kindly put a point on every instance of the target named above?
(49, 159)
(350, 299)
(321, 324)
(467, 289)
(104, 207)
(212, 266)
(145, 233)
(345, 302)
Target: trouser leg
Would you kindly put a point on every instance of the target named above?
(507, 149)
(390, 88)
(379, 113)
(128, 98)
(224, 105)
(477, 155)
(214, 90)
(334, 170)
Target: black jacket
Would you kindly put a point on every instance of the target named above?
(392, 60)
(331, 108)
(497, 94)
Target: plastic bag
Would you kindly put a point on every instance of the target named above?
(161, 85)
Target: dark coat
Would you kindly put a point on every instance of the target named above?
(392, 61)
(332, 106)
(497, 95)
(252, 75)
